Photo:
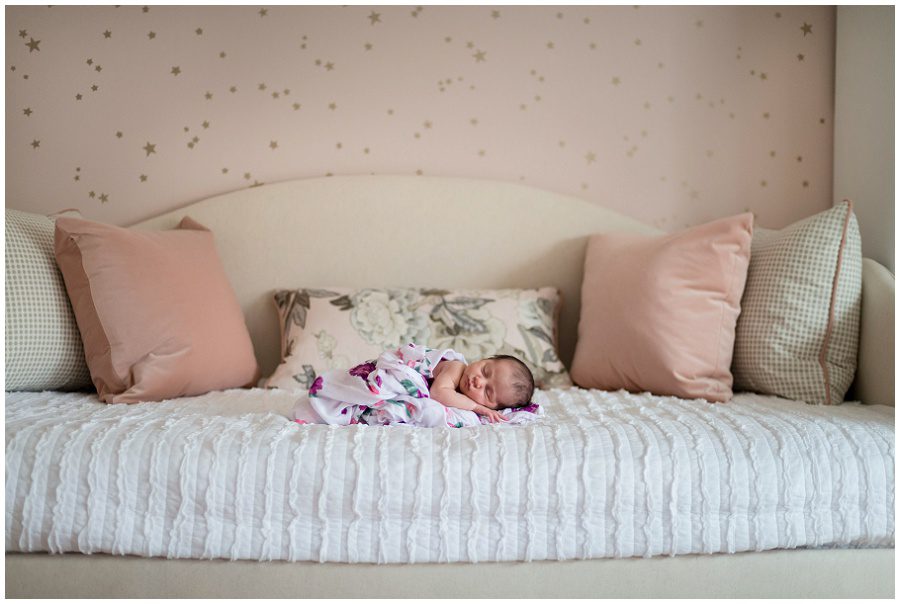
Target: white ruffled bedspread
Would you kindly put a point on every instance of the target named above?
(602, 474)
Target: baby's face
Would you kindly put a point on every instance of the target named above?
(489, 382)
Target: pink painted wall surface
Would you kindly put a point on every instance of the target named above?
(671, 115)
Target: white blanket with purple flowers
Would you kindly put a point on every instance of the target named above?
(393, 389)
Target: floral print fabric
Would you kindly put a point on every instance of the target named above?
(332, 328)
(391, 390)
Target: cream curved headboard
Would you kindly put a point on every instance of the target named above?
(397, 231)
(417, 231)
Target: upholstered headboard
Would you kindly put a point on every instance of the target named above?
(416, 231)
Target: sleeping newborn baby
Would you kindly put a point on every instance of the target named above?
(422, 386)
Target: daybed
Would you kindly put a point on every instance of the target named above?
(612, 494)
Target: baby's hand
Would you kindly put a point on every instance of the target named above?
(492, 415)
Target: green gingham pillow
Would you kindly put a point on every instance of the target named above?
(43, 344)
(798, 331)
(337, 328)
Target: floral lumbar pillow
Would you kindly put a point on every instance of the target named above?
(336, 328)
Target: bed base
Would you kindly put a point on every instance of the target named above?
(833, 573)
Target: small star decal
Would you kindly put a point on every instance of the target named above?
(145, 9)
(222, 55)
(263, 12)
(143, 177)
(78, 97)
(374, 17)
(23, 33)
(208, 95)
(273, 145)
(806, 28)
(175, 70)
(90, 61)
(92, 194)
(27, 111)
(199, 31)
(151, 35)
(149, 149)
(35, 144)
(332, 106)
(232, 89)
(118, 134)
(94, 88)
(224, 170)
(805, 183)
(367, 46)
(590, 157)
(616, 81)
(32, 45)
(296, 106)
(107, 34)
(495, 14)
(205, 124)
(329, 66)
(104, 197)
(480, 56)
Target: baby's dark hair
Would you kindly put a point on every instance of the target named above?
(523, 381)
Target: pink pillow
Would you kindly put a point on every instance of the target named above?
(157, 315)
(658, 313)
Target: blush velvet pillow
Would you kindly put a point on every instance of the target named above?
(658, 313)
(157, 315)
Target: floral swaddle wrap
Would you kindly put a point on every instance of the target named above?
(391, 390)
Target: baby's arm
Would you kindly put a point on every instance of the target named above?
(446, 380)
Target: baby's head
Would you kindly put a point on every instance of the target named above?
(498, 382)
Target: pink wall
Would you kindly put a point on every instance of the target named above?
(672, 115)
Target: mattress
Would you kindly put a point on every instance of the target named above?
(603, 474)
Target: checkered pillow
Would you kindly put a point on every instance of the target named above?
(798, 331)
(43, 344)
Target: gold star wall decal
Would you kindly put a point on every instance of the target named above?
(199, 31)
(263, 12)
(590, 157)
(368, 46)
(78, 97)
(806, 28)
(23, 33)
(35, 144)
(32, 45)
(149, 148)
(175, 70)
(800, 57)
(118, 134)
(480, 56)
(151, 35)
(616, 81)
(273, 145)
(374, 18)
(495, 14)
(107, 34)
(27, 111)
(143, 178)
(104, 197)
(145, 9)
